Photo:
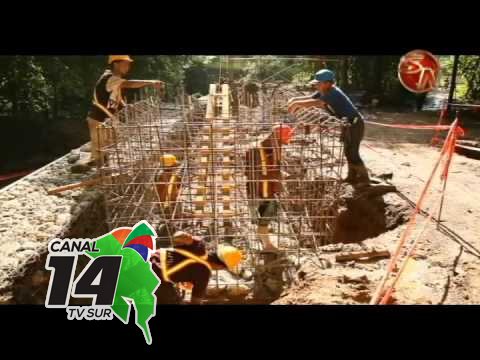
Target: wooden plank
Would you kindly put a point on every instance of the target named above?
(228, 139)
(205, 199)
(222, 130)
(88, 183)
(226, 201)
(222, 214)
(469, 151)
(199, 200)
(227, 189)
(219, 149)
(225, 101)
(227, 160)
(227, 175)
(362, 255)
(199, 203)
(201, 190)
(204, 150)
(211, 102)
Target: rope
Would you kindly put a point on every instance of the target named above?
(447, 150)
(412, 127)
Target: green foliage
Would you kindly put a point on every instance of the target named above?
(24, 88)
(64, 84)
(170, 69)
(196, 78)
(469, 67)
(301, 78)
(44, 101)
(468, 76)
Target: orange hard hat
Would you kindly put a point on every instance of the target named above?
(230, 256)
(284, 133)
(112, 58)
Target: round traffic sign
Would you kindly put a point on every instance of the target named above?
(418, 71)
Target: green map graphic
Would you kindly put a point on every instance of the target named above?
(136, 281)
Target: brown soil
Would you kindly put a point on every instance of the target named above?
(446, 266)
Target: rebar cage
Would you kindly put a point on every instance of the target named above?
(206, 192)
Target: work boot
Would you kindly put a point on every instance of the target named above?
(264, 237)
(351, 175)
(362, 174)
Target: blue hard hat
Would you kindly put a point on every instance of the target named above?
(323, 75)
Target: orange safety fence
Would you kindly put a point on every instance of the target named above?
(443, 115)
(14, 175)
(408, 126)
(383, 293)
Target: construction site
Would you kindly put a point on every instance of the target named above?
(406, 238)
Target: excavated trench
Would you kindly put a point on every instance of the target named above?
(29, 218)
(83, 215)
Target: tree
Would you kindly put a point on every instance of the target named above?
(44, 100)
(196, 78)
(24, 87)
(469, 67)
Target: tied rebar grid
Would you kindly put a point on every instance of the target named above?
(210, 140)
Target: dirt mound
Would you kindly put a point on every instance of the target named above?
(364, 213)
(368, 212)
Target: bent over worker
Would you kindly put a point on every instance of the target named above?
(264, 176)
(108, 100)
(167, 186)
(168, 183)
(332, 98)
(189, 262)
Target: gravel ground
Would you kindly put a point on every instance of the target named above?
(29, 217)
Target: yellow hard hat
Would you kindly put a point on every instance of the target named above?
(169, 160)
(181, 235)
(112, 58)
(229, 255)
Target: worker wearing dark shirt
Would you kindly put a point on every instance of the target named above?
(333, 99)
(189, 262)
(108, 100)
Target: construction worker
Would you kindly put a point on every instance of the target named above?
(333, 99)
(188, 262)
(107, 100)
(168, 183)
(167, 188)
(264, 175)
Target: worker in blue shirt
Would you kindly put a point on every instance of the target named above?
(334, 100)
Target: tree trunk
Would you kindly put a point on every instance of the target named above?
(378, 75)
(344, 72)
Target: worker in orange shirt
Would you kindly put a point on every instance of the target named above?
(168, 182)
(264, 176)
